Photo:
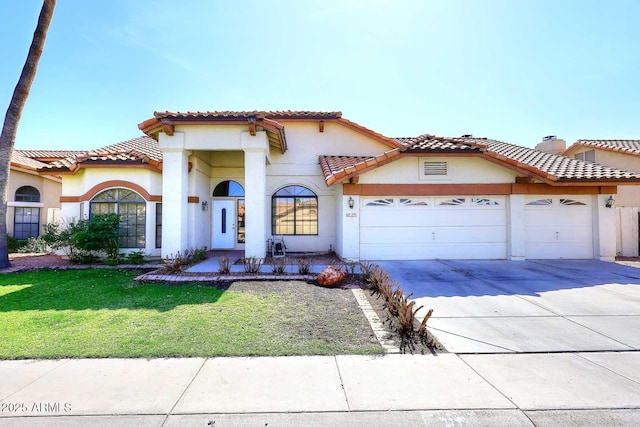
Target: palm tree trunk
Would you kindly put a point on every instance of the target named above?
(11, 119)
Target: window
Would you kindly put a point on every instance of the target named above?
(379, 202)
(452, 202)
(26, 220)
(26, 223)
(294, 211)
(571, 202)
(132, 210)
(158, 225)
(27, 194)
(483, 202)
(413, 202)
(540, 202)
(228, 189)
(587, 156)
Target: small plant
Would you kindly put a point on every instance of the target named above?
(366, 267)
(34, 245)
(304, 264)
(175, 263)
(349, 266)
(224, 264)
(114, 259)
(377, 278)
(252, 264)
(83, 258)
(13, 244)
(136, 257)
(279, 265)
(198, 254)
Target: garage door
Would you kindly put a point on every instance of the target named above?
(397, 228)
(558, 227)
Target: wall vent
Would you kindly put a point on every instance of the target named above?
(435, 168)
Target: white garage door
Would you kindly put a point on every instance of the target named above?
(405, 228)
(559, 227)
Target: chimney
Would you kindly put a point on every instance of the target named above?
(551, 144)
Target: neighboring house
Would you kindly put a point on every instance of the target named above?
(32, 199)
(234, 180)
(622, 154)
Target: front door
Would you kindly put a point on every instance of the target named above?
(224, 224)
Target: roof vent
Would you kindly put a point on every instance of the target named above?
(549, 138)
(468, 135)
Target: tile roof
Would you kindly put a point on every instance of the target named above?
(18, 159)
(548, 167)
(49, 154)
(140, 150)
(627, 146)
(274, 115)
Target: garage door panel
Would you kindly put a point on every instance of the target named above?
(428, 235)
(465, 229)
(438, 251)
(559, 229)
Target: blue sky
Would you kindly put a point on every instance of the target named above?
(512, 70)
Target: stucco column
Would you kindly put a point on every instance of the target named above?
(350, 218)
(175, 170)
(605, 228)
(516, 233)
(255, 197)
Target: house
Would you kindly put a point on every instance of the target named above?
(32, 199)
(237, 179)
(622, 154)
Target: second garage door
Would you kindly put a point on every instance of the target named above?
(406, 228)
(559, 227)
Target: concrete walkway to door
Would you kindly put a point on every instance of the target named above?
(528, 306)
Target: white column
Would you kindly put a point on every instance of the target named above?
(255, 178)
(350, 218)
(516, 233)
(175, 169)
(605, 229)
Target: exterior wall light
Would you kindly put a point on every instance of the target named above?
(610, 202)
(205, 206)
(351, 202)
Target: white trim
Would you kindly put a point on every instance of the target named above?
(26, 204)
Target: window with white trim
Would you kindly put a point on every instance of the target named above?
(294, 211)
(132, 209)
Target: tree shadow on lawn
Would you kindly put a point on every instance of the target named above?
(97, 290)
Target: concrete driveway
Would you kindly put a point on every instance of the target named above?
(528, 306)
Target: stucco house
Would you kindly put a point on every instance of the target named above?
(622, 154)
(33, 199)
(225, 179)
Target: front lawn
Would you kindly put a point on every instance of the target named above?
(103, 313)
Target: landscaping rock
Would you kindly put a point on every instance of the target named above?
(331, 276)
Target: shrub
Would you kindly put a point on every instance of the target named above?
(198, 254)
(136, 257)
(377, 278)
(279, 265)
(225, 264)
(252, 264)
(13, 244)
(304, 264)
(175, 263)
(35, 245)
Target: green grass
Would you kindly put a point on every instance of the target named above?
(103, 313)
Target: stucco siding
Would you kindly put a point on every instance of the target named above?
(460, 171)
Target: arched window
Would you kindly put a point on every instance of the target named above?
(228, 189)
(294, 211)
(26, 219)
(132, 209)
(27, 194)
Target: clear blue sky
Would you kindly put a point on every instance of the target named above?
(513, 70)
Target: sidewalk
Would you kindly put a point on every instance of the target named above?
(446, 389)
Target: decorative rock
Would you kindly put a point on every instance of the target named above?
(331, 276)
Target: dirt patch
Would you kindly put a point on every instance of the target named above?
(37, 261)
(330, 316)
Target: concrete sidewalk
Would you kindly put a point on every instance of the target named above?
(446, 389)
